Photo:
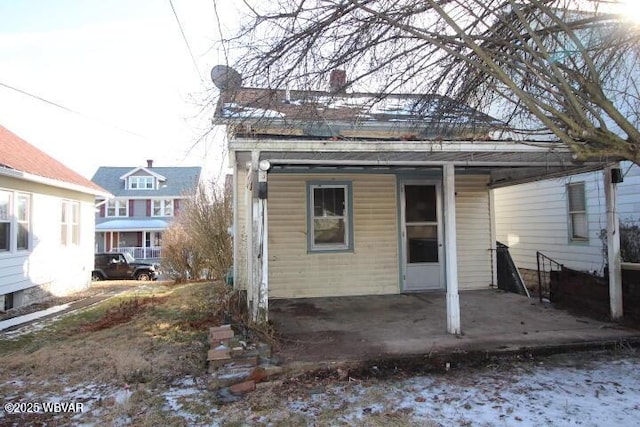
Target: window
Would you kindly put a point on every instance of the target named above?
(162, 207)
(329, 217)
(5, 221)
(141, 183)
(22, 217)
(578, 226)
(117, 208)
(70, 223)
(15, 221)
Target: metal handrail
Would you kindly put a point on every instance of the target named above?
(554, 265)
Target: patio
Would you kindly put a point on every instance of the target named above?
(364, 328)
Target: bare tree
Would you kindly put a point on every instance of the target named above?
(199, 239)
(561, 68)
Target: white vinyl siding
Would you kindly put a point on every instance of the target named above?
(473, 241)
(533, 217)
(57, 269)
(372, 267)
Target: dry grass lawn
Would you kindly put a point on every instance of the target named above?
(139, 337)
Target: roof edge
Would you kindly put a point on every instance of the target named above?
(13, 173)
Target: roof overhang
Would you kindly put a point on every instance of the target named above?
(132, 225)
(507, 162)
(138, 169)
(13, 173)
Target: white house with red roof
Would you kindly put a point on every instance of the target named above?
(47, 226)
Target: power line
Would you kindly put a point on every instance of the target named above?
(186, 42)
(69, 110)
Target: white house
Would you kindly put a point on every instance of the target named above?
(46, 224)
(564, 218)
(346, 194)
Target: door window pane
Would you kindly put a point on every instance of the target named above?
(422, 243)
(420, 203)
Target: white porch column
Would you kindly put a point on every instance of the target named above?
(249, 209)
(613, 247)
(450, 249)
(263, 249)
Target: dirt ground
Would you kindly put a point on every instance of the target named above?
(140, 359)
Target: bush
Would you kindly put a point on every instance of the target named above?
(198, 244)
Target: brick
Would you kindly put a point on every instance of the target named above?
(215, 336)
(219, 353)
(244, 387)
(245, 361)
(258, 375)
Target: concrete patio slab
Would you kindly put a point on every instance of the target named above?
(350, 329)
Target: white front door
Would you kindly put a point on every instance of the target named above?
(421, 236)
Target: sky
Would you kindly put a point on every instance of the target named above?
(124, 70)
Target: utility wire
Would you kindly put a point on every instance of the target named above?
(67, 109)
(186, 42)
(224, 48)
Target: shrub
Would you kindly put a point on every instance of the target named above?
(198, 244)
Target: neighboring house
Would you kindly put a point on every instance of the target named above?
(46, 224)
(345, 194)
(144, 203)
(563, 218)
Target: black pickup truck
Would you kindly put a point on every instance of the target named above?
(119, 266)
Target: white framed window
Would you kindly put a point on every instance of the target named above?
(15, 221)
(577, 212)
(329, 217)
(116, 208)
(23, 214)
(162, 207)
(70, 223)
(6, 198)
(144, 182)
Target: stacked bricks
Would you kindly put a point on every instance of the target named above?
(220, 352)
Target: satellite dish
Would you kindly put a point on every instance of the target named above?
(226, 78)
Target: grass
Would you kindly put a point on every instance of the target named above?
(139, 337)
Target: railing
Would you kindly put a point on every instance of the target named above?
(546, 268)
(153, 252)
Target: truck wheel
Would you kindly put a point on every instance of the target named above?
(96, 277)
(144, 276)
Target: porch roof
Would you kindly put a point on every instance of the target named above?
(132, 225)
(507, 162)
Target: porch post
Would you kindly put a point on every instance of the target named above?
(263, 249)
(249, 232)
(450, 249)
(613, 247)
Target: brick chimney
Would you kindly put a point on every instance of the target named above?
(150, 163)
(337, 81)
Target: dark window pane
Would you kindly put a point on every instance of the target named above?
(23, 236)
(329, 231)
(5, 236)
(422, 243)
(328, 202)
(420, 203)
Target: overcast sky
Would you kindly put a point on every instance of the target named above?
(124, 67)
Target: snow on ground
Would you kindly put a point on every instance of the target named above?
(568, 390)
(4, 324)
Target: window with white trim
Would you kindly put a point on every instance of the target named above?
(162, 207)
(144, 182)
(23, 221)
(116, 208)
(329, 217)
(70, 223)
(578, 224)
(15, 221)
(5, 220)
